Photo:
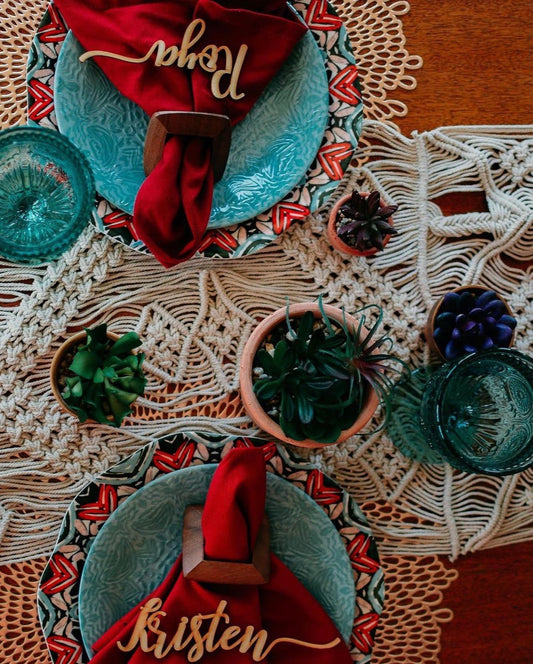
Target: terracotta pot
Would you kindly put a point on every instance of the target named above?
(339, 244)
(435, 310)
(251, 403)
(66, 347)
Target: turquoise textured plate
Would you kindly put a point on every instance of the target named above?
(344, 125)
(136, 548)
(59, 588)
(271, 149)
(46, 194)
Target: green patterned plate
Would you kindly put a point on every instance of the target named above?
(141, 540)
(59, 590)
(311, 190)
(271, 149)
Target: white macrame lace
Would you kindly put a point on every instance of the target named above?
(433, 253)
(195, 319)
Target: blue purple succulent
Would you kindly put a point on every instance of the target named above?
(470, 321)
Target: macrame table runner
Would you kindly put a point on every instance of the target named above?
(195, 319)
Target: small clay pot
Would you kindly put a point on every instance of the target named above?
(435, 310)
(251, 404)
(339, 244)
(67, 347)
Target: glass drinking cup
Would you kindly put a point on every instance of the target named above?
(477, 412)
(46, 194)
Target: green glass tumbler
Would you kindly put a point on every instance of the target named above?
(477, 412)
(46, 194)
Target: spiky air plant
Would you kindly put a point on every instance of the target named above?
(315, 374)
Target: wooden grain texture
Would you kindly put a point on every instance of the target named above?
(492, 601)
(188, 123)
(199, 568)
(478, 63)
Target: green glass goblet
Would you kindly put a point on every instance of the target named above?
(46, 194)
(475, 413)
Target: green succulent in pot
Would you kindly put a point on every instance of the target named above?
(319, 377)
(104, 376)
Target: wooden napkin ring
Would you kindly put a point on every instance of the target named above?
(186, 123)
(198, 568)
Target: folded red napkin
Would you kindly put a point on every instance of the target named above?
(278, 622)
(213, 57)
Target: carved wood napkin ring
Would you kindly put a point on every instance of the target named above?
(198, 568)
(187, 123)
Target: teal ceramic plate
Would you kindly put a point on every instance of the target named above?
(136, 548)
(343, 127)
(46, 194)
(271, 149)
(102, 500)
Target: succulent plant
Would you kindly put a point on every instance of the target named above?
(470, 321)
(105, 377)
(363, 223)
(317, 372)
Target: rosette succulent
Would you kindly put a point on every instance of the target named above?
(104, 377)
(470, 321)
(363, 223)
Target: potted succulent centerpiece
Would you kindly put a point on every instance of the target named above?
(313, 375)
(469, 319)
(95, 375)
(361, 224)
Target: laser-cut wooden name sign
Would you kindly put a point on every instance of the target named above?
(198, 635)
(183, 57)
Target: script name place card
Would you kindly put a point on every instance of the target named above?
(204, 633)
(224, 73)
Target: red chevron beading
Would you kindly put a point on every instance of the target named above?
(322, 494)
(54, 31)
(43, 97)
(99, 511)
(343, 87)
(119, 219)
(270, 450)
(67, 650)
(219, 238)
(283, 214)
(331, 158)
(358, 553)
(317, 16)
(64, 574)
(181, 458)
(242, 442)
(363, 632)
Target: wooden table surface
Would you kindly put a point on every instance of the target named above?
(478, 69)
(478, 66)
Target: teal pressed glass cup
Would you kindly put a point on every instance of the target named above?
(477, 412)
(46, 194)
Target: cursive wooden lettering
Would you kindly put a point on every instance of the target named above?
(184, 57)
(200, 640)
(139, 636)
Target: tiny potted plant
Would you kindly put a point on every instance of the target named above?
(360, 224)
(96, 376)
(312, 375)
(469, 319)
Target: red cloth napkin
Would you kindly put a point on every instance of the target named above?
(173, 205)
(232, 515)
